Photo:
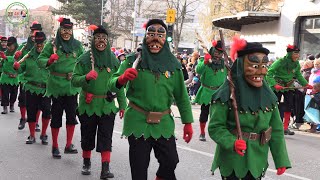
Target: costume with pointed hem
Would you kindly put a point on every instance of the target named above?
(255, 117)
(159, 82)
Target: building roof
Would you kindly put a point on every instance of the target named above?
(235, 22)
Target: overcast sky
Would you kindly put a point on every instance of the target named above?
(31, 4)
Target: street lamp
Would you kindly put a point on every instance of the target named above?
(101, 12)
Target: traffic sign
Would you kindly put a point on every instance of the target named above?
(171, 16)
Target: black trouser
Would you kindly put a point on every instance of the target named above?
(69, 105)
(9, 94)
(22, 96)
(89, 127)
(288, 103)
(299, 106)
(204, 113)
(37, 102)
(247, 177)
(165, 151)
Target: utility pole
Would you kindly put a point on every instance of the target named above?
(101, 12)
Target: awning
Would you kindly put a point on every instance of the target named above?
(235, 22)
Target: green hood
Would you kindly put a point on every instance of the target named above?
(160, 62)
(247, 96)
(66, 46)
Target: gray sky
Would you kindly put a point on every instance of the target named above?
(31, 4)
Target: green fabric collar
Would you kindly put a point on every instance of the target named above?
(248, 98)
(33, 54)
(66, 46)
(160, 62)
(104, 59)
(287, 63)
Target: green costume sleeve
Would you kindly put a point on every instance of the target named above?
(79, 76)
(277, 143)
(22, 67)
(113, 81)
(299, 76)
(271, 72)
(45, 54)
(217, 126)
(121, 98)
(181, 96)
(200, 69)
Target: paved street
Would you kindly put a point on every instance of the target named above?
(19, 161)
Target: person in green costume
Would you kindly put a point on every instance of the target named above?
(9, 80)
(280, 78)
(35, 88)
(22, 50)
(260, 121)
(96, 103)
(148, 123)
(212, 75)
(59, 57)
(3, 48)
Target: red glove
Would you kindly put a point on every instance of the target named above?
(17, 54)
(53, 58)
(278, 87)
(121, 113)
(129, 75)
(239, 146)
(16, 65)
(89, 98)
(92, 75)
(2, 55)
(187, 132)
(281, 170)
(207, 58)
(308, 86)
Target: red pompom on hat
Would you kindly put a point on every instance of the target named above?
(60, 19)
(237, 45)
(92, 27)
(291, 48)
(214, 43)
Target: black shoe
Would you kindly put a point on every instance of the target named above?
(105, 171)
(56, 153)
(22, 124)
(70, 150)
(202, 137)
(11, 108)
(30, 140)
(86, 167)
(44, 139)
(288, 132)
(5, 110)
(37, 128)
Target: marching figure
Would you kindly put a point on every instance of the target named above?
(9, 77)
(23, 49)
(4, 41)
(60, 57)
(97, 108)
(258, 118)
(212, 75)
(35, 87)
(153, 80)
(280, 78)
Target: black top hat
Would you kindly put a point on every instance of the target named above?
(253, 47)
(3, 38)
(11, 40)
(66, 23)
(36, 27)
(40, 37)
(217, 45)
(156, 21)
(291, 48)
(100, 29)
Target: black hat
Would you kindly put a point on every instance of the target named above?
(65, 22)
(156, 21)
(253, 47)
(217, 45)
(3, 38)
(291, 48)
(11, 40)
(100, 29)
(35, 26)
(40, 37)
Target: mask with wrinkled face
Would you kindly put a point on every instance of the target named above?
(255, 68)
(39, 47)
(155, 38)
(100, 41)
(66, 33)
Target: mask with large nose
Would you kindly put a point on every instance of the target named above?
(155, 38)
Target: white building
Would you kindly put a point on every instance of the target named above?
(297, 22)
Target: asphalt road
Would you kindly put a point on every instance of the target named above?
(19, 161)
